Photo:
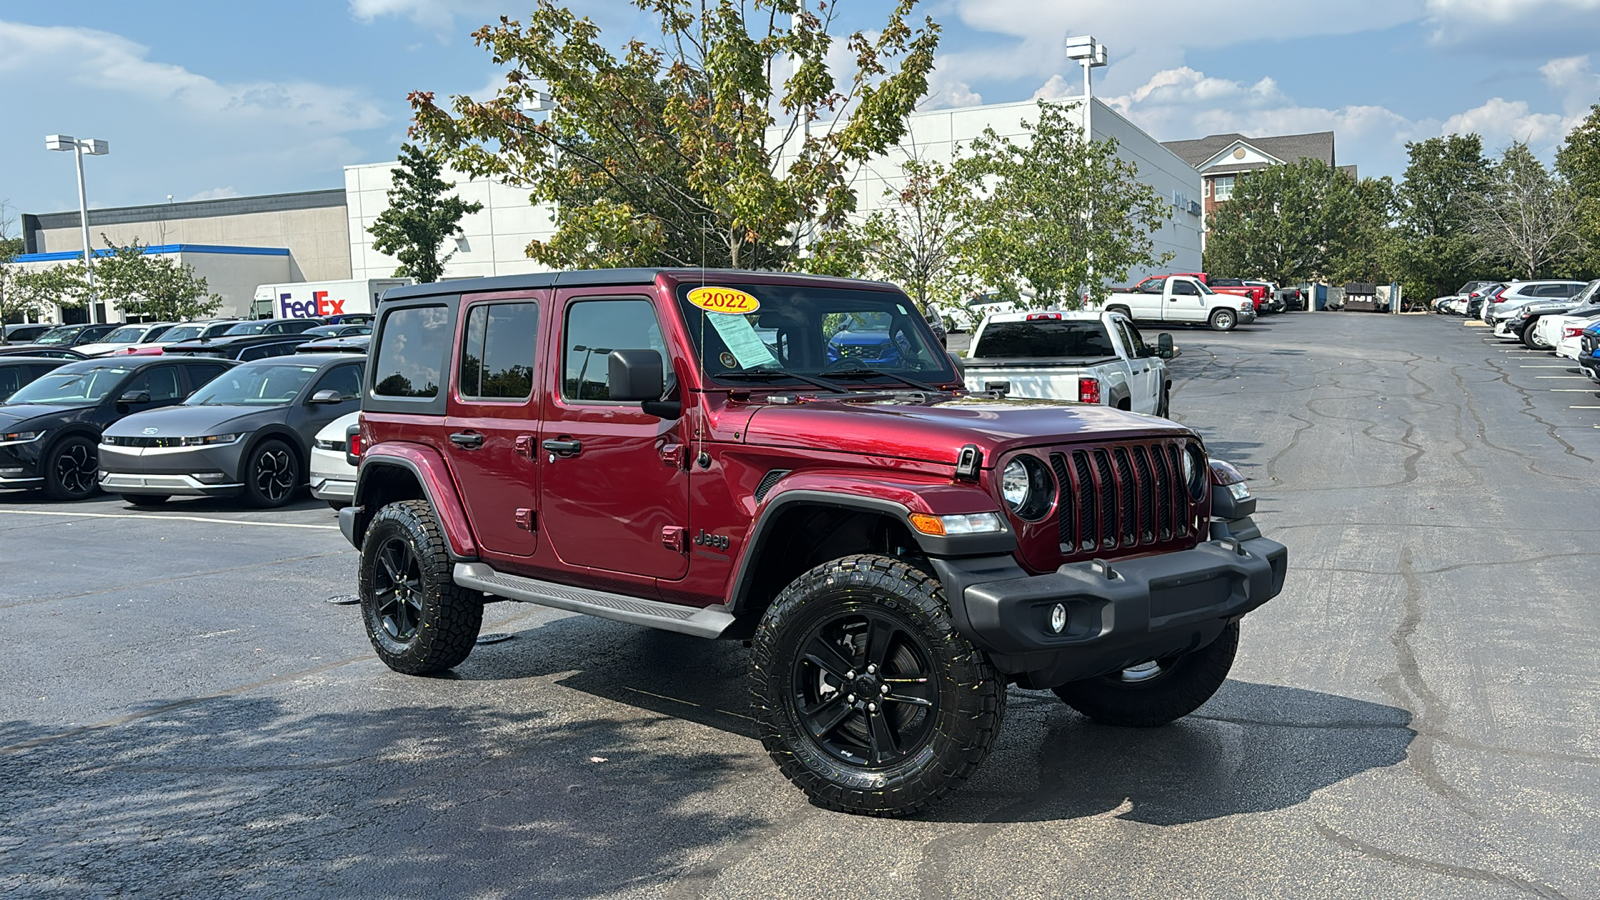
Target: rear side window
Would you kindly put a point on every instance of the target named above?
(411, 354)
(1043, 338)
(594, 329)
(497, 353)
(199, 375)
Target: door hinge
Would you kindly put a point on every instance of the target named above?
(525, 519)
(672, 538)
(675, 456)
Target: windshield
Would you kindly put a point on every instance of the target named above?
(127, 334)
(1043, 338)
(249, 327)
(183, 332)
(272, 385)
(1587, 295)
(82, 388)
(56, 336)
(793, 330)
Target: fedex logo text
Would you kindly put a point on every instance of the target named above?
(318, 305)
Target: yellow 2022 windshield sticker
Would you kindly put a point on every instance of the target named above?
(730, 301)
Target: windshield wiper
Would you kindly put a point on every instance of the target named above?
(865, 371)
(767, 373)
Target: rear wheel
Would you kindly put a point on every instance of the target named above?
(1224, 320)
(1120, 309)
(868, 698)
(417, 618)
(272, 474)
(146, 499)
(1156, 692)
(72, 470)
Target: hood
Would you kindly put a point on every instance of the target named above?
(936, 431)
(22, 412)
(195, 421)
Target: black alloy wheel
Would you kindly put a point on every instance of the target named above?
(418, 620)
(867, 697)
(273, 474)
(72, 470)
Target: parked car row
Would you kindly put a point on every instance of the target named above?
(154, 426)
(1569, 327)
(1494, 300)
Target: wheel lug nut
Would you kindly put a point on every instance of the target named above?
(883, 689)
(871, 668)
(850, 699)
(850, 674)
(872, 707)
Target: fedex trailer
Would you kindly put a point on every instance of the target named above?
(308, 299)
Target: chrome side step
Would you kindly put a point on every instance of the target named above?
(708, 621)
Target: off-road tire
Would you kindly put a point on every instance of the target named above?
(1180, 686)
(945, 746)
(271, 475)
(146, 499)
(1223, 320)
(1164, 405)
(71, 469)
(444, 619)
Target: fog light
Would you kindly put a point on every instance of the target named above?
(1058, 618)
(210, 477)
(10, 471)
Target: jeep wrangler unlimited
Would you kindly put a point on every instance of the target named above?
(792, 461)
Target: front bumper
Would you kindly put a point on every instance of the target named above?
(1144, 609)
(324, 488)
(1591, 367)
(186, 471)
(19, 463)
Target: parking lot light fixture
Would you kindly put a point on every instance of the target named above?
(80, 148)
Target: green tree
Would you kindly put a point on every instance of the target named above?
(1301, 221)
(917, 238)
(1062, 214)
(152, 286)
(1578, 161)
(29, 291)
(419, 217)
(728, 143)
(1432, 251)
(1528, 220)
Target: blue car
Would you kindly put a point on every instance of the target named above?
(871, 348)
(1587, 357)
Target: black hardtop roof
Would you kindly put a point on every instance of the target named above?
(132, 361)
(19, 360)
(604, 277)
(305, 359)
(233, 340)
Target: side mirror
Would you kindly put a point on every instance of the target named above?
(133, 397)
(636, 376)
(329, 396)
(1164, 348)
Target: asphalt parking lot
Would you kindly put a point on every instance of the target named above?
(1414, 716)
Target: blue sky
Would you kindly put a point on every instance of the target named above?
(203, 99)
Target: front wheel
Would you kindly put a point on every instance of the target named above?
(72, 470)
(272, 475)
(1224, 320)
(1156, 692)
(1530, 337)
(418, 619)
(867, 697)
(1164, 406)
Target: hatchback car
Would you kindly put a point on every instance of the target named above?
(273, 326)
(247, 433)
(25, 332)
(74, 335)
(50, 429)
(17, 371)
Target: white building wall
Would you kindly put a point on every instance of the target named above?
(494, 239)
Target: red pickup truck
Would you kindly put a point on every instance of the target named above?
(1257, 293)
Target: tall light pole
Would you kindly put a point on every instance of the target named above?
(1091, 54)
(81, 148)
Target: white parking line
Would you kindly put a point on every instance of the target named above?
(1585, 407)
(1584, 377)
(1544, 367)
(84, 515)
(1574, 390)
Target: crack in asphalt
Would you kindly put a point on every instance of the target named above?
(1536, 888)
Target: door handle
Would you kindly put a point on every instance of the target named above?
(565, 447)
(467, 440)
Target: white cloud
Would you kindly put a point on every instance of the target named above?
(1496, 22)
(111, 63)
(947, 92)
(1570, 78)
(221, 193)
(1501, 122)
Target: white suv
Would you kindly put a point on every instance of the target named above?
(1521, 292)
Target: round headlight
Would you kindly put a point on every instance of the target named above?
(1026, 486)
(1194, 471)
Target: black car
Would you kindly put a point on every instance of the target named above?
(50, 429)
(40, 350)
(197, 331)
(25, 333)
(332, 331)
(272, 326)
(352, 344)
(16, 371)
(248, 432)
(73, 335)
(241, 347)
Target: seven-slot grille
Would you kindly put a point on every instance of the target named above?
(1121, 497)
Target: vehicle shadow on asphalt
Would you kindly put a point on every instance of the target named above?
(1252, 747)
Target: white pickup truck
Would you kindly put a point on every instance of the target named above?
(1090, 357)
(1181, 299)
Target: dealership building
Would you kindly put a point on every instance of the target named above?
(239, 243)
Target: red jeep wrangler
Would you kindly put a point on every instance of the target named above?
(792, 460)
